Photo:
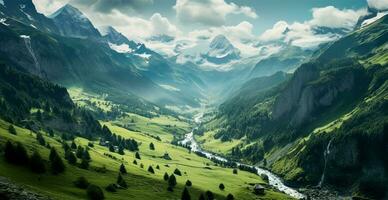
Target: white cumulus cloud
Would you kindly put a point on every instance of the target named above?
(378, 4)
(209, 12)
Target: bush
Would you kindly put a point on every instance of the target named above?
(185, 194)
(177, 172)
(71, 158)
(111, 188)
(40, 139)
(95, 193)
(17, 154)
(172, 181)
(122, 169)
(151, 170)
(234, 171)
(81, 182)
(84, 164)
(221, 186)
(157, 167)
(202, 197)
(37, 163)
(12, 130)
(230, 197)
(188, 183)
(90, 144)
(170, 189)
(9, 152)
(134, 162)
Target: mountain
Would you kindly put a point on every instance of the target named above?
(73, 23)
(114, 37)
(327, 125)
(221, 51)
(286, 60)
(25, 11)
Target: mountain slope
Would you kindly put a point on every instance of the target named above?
(328, 107)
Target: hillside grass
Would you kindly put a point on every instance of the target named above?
(142, 184)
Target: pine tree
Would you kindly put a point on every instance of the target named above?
(157, 167)
(151, 170)
(57, 165)
(73, 145)
(81, 182)
(172, 181)
(95, 193)
(84, 164)
(21, 156)
(121, 150)
(230, 197)
(209, 195)
(185, 194)
(71, 158)
(189, 183)
(177, 172)
(86, 155)
(165, 177)
(9, 152)
(122, 169)
(111, 148)
(121, 181)
(80, 152)
(40, 139)
(12, 130)
(152, 146)
(134, 162)
(37, 163)
(221, 186)
(137, 155)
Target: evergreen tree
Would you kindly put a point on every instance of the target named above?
(57, 165)
(121, 182)
(111, 148)
(165, 177)
(234, 171)
(221, 186)
(95, 193)
(202, 197)
(12, 130)
(122, 169)
(73, 145)
(185, 194)
(80, 152)
(84, 164)
(177, 172)
(137, 155)
(37, 163)
(21, 156)
(81, 182)
(189, 183)
(151, 170)
(111, 188)
(121, 150)
(86, 155)
(134, 162)
(40, 139)
(9, 152)
(209, 195)
(172, 181)
(152, 146)
(230, 197)
(39, 115)
(72, 159)
(157, 167)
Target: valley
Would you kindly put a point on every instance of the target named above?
(134, 100)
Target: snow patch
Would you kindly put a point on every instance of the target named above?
(25, 36)
(2, 2)
(144, 56)
(2, 21)
(123, 48)
(169, 87)
(22, 7)
(33, 26)
(371, 20)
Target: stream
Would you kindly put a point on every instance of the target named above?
(273, 180)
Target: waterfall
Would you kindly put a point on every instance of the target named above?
(27, 42)
(325, 155)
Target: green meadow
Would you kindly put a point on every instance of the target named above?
(204, 174)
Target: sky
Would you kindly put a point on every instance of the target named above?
(245, 22)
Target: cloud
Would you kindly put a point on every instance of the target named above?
(49, 6)
(275, 33)
(107, 6)
(209, 12)
(162, 26)
(378, 4)
(332, 17)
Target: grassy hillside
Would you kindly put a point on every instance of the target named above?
(204, 174)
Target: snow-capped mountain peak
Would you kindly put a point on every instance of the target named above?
(221, 50)
(70, 11)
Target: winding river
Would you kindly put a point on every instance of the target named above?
(273, 180)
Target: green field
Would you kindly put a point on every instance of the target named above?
(204, 174)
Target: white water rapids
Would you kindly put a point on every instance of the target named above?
(273, 180)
